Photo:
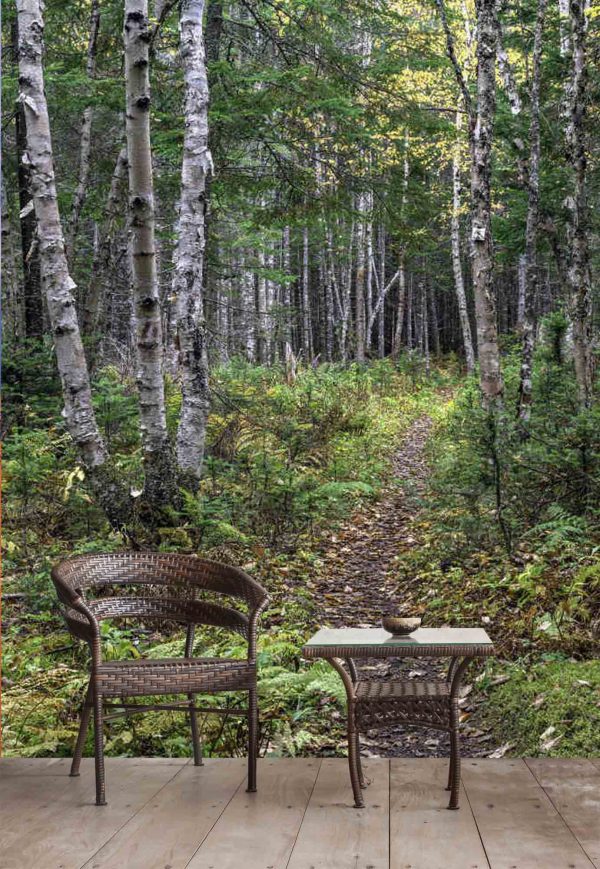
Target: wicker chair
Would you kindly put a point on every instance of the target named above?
(149, 586)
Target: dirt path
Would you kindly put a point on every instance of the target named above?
(358, 582)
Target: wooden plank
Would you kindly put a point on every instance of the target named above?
(171, 826)
(420, 820)
(573, 785)
(518, 824)
(335, 835)
(51, 821)
(260, 829)
(21, 766)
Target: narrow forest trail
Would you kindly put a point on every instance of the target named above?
(358, 582)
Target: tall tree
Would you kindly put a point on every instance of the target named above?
(531, 227)
(578, 271)
(56, 280)
(159, 464)
(85, 142)
(189, 258)
(481, 132)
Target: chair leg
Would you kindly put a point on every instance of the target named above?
(454, 775)
(196, 743)
(353, 759)
(252, 738)
(99, 750)
(361, 778)
(84, 723)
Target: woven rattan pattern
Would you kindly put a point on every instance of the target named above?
(380, 704)
(109, 586)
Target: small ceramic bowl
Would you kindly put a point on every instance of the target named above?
(400, 626)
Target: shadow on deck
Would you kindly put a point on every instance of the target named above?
(167, 814)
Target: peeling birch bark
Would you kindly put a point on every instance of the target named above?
(189, 259)
(160, 479)
(57, 283)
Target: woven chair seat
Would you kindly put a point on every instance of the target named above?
(381, 704)
(147, 676)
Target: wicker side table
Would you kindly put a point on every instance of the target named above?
(372, 705)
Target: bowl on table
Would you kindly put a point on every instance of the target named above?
(400, 626)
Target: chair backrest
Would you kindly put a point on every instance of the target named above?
(178, 580)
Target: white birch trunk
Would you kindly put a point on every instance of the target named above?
(189, 260)
(459, 284)
(160, 482)
(57, 283)
(360, 279)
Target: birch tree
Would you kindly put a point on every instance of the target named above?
(481, 131)
(189, 258)
(58, 286)
(160, 479)
(459, 284)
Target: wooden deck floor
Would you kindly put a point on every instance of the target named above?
(167, 814)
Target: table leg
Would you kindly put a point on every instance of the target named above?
(457, 669)
(353, 747)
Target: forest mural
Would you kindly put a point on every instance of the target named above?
(308, 287)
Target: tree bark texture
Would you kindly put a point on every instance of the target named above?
(189, 258)
(32, 278)
(160, 482)
(57, 283)
(459, 284)
(490, 375)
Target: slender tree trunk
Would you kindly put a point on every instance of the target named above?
(381, 314)
(397, 341)
(360, 280)
(435, 330)
(85, 142)
(101, 265)
(409, 315)
(490, 375)
(286, 291)
(189, 260)
(261, 310)
(530, 294)
(347, 296)
(160, 478)
(521, 290)
(12, 302)
(400, 306)
(578, 272)
(57, 283)
(306, 322)
(459, 285)
(32, 280)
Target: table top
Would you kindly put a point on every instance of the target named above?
(379, 643)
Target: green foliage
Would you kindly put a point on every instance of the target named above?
(551, 708)
(283, 463)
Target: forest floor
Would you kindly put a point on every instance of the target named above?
(358, 583)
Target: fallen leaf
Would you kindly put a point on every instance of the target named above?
(502, 750)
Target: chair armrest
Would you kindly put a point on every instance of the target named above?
(253, 621)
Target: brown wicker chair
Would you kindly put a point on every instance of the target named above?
(163, 587)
